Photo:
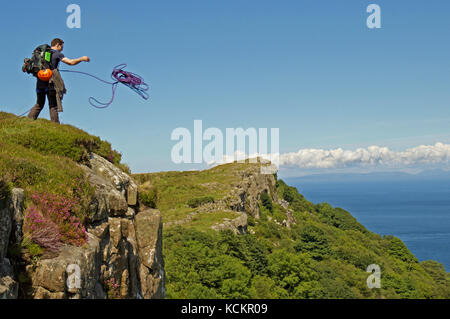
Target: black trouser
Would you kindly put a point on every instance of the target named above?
(53, 104)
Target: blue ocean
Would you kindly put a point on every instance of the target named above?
(417, 211)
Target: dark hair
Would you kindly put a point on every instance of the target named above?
(56, 42)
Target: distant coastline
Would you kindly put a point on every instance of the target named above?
(415, 208)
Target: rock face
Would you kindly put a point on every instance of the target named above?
(119, 179)
(10, 226)
(243, 198)
(246, 194)
(123, 256)
(9, 287)
(237, 225)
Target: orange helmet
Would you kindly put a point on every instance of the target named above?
(45, 75)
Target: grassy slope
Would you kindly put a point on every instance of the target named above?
(41, 156)
(325, 255)
(175, 189)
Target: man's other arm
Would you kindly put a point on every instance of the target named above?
(75, 61)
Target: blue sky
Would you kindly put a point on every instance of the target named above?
(311, 68)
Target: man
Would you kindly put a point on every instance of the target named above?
(48, 88)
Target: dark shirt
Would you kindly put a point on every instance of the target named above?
(57, 56)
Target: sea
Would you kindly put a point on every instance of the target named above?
(415, 210)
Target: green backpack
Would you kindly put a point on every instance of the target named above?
(40, 60)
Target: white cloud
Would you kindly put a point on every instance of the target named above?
(370, 156)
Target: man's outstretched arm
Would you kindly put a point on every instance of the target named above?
(75, 61)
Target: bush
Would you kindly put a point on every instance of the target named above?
(57, 209)
(196, 202)
(5, 191)
(41, 230)
(399, 250)
(339, 218)
(289, 270)
(112, 288)
(313, 240)
(150, 198)
(266, 201)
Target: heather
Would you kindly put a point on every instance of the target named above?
(49, 222)
(59, 210)
(112, 288)
(42, 158)
(41, 230)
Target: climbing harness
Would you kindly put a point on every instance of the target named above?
(119, 75)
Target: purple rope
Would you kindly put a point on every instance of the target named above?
(119, 75)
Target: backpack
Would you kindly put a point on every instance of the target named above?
(40, 60)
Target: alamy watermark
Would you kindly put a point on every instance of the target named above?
(74, 19)
(374, 19)
(374, 280)
(73, 276)
(213, 152)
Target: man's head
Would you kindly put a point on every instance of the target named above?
(57, 44)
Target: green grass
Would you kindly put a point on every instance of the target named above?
(203, 221)
(179, 193)
(41, 156)
(45, 137)
(324, 255)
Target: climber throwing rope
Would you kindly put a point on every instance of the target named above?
(44, 65)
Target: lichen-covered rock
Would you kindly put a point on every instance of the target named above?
(8, 286)
(115, 252)
(5, 228)
(245, 195)
(10, 211)
(123, 256)
(237, 225)
(149, 240)
(121, 181)
(16, 206)
(74, 273)
(108, 201)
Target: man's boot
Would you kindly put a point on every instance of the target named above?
(34, 112)
(54, 116)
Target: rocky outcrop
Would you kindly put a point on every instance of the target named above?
(122, 251)
(10, 227)
(151, 268)
(246, 194)
(237, 225)
(243, 198)
(123, 182)
(9, 287)
(290, 219)
(122, 258)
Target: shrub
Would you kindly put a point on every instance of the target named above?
(41, 230)
(196, 202)
(150, 198)
(313, 240)
(399, 250)
(5, 191)
(33, 248)
(112, 289)
(58, 209)
(339, 218)
(266, 201)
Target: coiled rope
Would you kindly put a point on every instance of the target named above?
(118, 75)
